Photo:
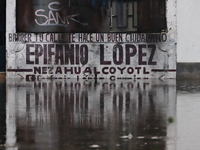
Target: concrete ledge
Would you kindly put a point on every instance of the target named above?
(188, 71)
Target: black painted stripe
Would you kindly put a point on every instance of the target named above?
(20, 70)
(164, 70)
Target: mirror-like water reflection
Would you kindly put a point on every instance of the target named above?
(76, 115)
(2, 112)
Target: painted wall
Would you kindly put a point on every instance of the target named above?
(30, 56)
(188, 48)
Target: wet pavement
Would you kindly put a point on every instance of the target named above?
(101, 114)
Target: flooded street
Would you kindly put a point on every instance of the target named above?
(102, 114)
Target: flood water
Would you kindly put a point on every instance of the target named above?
(101, 114)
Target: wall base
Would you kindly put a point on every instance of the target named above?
(2, 76)
(188, 71)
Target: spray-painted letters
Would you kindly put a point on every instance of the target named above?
(56, 16)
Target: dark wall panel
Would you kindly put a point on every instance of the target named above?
(2, 35)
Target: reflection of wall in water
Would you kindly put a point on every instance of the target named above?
(90, 97)
(50, 109)
(2, 112)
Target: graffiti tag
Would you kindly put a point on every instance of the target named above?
(54, 18)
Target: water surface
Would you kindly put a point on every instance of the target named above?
(81, 115)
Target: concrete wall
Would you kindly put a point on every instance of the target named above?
(188, 48)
